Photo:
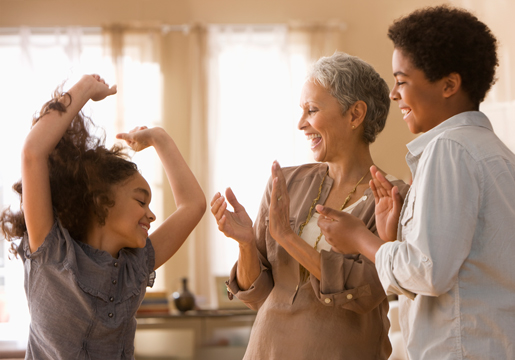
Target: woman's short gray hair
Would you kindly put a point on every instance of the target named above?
(350, 79)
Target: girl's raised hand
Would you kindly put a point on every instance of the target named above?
(99, 89)
(236, 225)
(388, 203)
(138, 138)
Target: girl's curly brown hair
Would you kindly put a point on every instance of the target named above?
(442, 40)
(82, 172)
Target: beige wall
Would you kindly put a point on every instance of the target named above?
(365, 36)
(366, 21)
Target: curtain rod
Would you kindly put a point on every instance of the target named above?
(49, 29)
(185, 28)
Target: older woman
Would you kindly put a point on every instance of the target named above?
(315, 303)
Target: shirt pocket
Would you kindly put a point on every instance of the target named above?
(408, 212)
(275, 252)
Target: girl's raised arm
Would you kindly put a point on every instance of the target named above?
(42, 139)
(188, 195)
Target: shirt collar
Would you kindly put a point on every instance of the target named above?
(468, 118)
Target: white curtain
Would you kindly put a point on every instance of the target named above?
(33, 63)
(135, 59)
(255, 77)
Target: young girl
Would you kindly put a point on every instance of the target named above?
(84, 227)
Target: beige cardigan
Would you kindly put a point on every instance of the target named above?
(343, 316)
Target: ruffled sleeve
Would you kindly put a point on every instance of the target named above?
(53, 249)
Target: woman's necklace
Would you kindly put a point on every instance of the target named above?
(310, 213)
(304, 273)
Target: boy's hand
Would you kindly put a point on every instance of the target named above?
(388, 204)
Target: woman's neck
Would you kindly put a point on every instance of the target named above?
(349, 168)
(350, 175)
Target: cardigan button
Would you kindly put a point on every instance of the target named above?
(111, 299)
(349, 296)
(327, 300)
(110, 315)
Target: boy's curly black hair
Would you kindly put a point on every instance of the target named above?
(442, 40)
(82, 172)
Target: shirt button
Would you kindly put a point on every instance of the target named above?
(110, 315)
(111, 299)
(349, 296)
(114, 282)
(115, 264)
(424, 259)
(364, 197)
(327, 300)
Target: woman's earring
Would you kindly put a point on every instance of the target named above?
(353, 127)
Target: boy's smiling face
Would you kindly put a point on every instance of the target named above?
(420, 100)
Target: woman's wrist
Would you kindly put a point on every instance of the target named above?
(247, 244)
(283, 236)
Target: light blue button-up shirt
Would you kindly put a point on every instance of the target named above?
(455, 258)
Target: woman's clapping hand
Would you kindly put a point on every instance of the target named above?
(237, 224)
(279, 214)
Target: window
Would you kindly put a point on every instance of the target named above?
(255, 78)
(34, 62)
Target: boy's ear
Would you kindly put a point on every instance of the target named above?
(451, 84)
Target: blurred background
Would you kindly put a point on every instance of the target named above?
(223, 77)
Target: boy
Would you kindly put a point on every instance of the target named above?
(453, 260)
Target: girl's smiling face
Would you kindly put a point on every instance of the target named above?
(128, 221)
(323, 123)
(419, 99)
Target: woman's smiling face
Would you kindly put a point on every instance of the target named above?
(418, 98)
(323, 122)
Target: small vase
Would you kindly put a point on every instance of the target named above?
(184, 300)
